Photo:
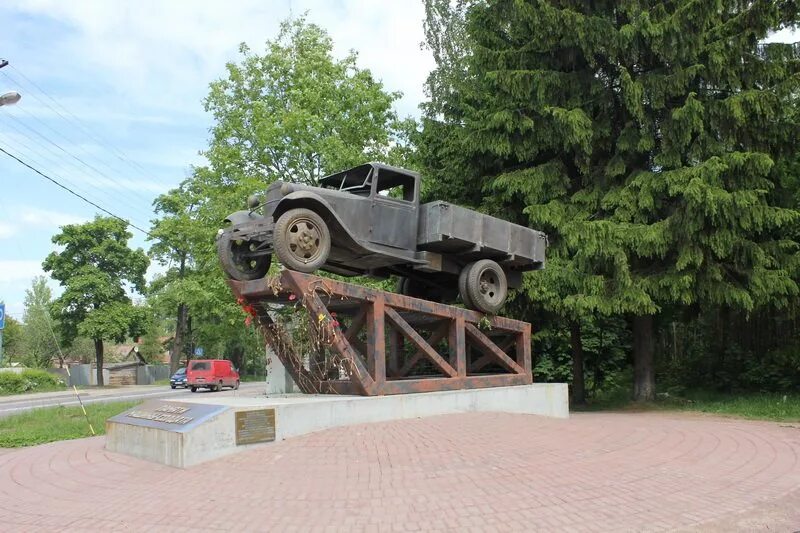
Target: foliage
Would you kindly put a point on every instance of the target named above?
(52, 424)
(94, 267)
(81, 349)
(605, 347)
(12, 340)
(759, 352)
(151, 347)
(646, 139)
(293, 113)
(296, 113)
(29, 380)
(39, 333)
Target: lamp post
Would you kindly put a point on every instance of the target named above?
(9, 98)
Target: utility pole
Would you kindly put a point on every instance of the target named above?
(2, 326)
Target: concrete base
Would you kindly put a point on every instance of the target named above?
(279, 381)
(300, 414)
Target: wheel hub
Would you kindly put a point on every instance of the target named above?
(488, 284)
(303, 239)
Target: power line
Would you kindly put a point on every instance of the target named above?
(77, 121)
(56, 182)
(45, 158)
(82, 149)
(49, 155)
(75, 157)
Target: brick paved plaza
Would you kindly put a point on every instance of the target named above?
(481, 472)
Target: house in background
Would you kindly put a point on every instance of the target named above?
(131, 351)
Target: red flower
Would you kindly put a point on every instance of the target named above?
(333, 314)
(292, 297)
(248, 320)
(335, 323)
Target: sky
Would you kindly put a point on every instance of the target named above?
(112, 100)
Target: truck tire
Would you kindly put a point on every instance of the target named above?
(432, 292)
(302, 240)
(462, 287)
(413, 288)
(486, 286)
(236, 266)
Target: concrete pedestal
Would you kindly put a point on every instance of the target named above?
(298, 414)
(279, 381)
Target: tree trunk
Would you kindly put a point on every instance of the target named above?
(237, 358)
(644, 381)
(98, 357)
(180, 327)
(189, 347)
(578, 385)
(177, 342)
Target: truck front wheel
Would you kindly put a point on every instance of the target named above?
(302, 240)
(240, 259)
(485, 286)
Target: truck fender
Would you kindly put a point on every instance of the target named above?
(339, 230)
(239, 217)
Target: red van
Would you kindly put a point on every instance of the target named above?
(211, 374)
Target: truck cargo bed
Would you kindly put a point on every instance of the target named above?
(450, 229)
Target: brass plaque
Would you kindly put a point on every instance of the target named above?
(255, 426)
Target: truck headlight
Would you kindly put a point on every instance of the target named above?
(253, 201)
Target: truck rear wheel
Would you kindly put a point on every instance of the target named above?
(433, 292)
(413, 288)
(462, 287)
(302, 240)
(237, 259)
(486, 286)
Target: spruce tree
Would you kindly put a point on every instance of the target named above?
(646, 137)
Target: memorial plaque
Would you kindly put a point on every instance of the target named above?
(172, 416)
(255, 426)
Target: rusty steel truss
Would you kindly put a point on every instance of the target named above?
(381, 343)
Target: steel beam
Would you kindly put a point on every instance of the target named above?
(369, 363)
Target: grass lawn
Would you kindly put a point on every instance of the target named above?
(56, 423)
(757, 406)
(245, 379)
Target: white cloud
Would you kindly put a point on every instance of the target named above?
(6, 230)
(14, 270)
(163, 54)
(48, 218)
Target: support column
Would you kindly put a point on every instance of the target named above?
(279, 381)
(376, 343)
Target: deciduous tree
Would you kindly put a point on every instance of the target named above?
(95, 267)
(39, 332)
(294, 112)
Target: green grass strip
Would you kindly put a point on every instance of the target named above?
(50, 424)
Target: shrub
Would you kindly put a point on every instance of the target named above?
(29, 381)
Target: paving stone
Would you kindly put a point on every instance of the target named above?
(480, 471)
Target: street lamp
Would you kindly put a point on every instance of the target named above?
(9, 98)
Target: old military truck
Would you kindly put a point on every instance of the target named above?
(368, 220)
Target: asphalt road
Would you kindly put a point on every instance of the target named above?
(10, 405)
